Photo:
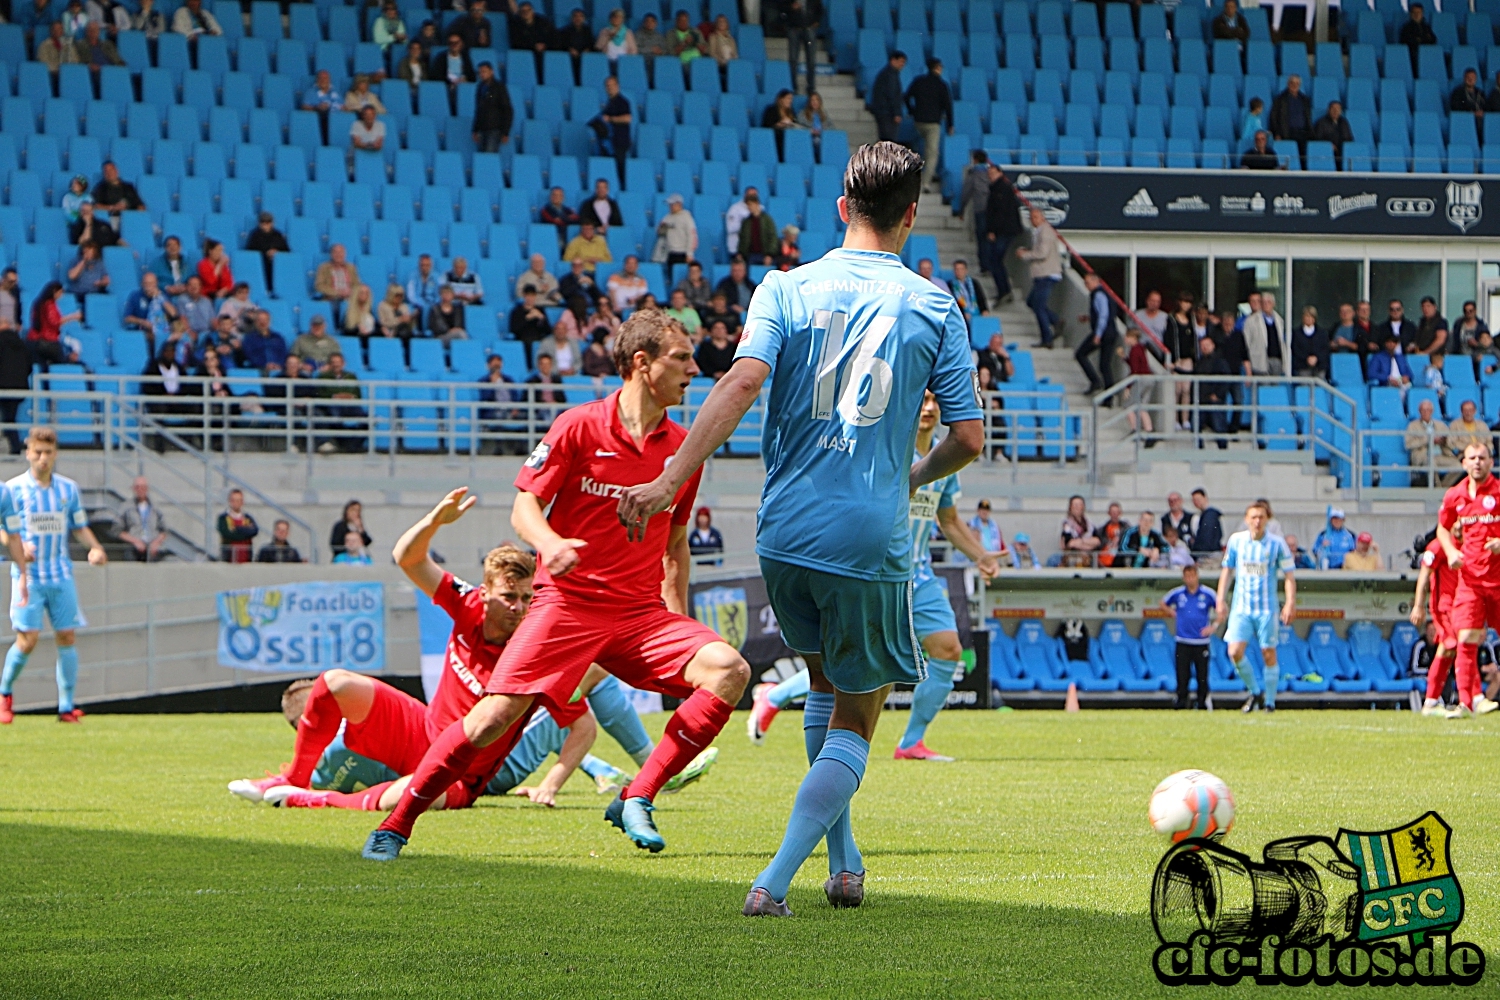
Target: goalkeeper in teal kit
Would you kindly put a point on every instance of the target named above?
(848, 346)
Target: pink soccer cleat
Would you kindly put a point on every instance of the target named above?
(72, 715)
(7, 711)
(295, 798)
(919, 751)
(762, 712)
(254, 789)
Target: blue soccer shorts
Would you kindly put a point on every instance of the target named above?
(862, 628)
(1263, 629)
(59, 600)
(931, 610)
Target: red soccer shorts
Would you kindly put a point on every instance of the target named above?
(394, 733)
(1442, 625)
(1474, 609)
(646, 647)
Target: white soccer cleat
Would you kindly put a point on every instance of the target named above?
(254, 789)
(1484, 706)
(1434, 707)
(297, 798)
(1459, 711)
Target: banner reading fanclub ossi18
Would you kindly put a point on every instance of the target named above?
(306, 627)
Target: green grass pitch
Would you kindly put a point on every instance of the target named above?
(1023, 870)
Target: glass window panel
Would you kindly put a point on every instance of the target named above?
(1407, 280)
(1324, 285)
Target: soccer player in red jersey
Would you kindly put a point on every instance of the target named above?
(389, 725)
(1472, 504)
(1443, 581)
(599, 596)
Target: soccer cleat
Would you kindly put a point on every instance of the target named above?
(697, 768)
(72, 715)
(1483, 705)
(7, 710)
(919, 751)
(762, 712)
(1432, 707)
(294, 797)
(254, 789)
(1254, 702)
(845, 890)
(1459, 711)
(383, 845)
(633, 816)
(611, 781)
(760, 904)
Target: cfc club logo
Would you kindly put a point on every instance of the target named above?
(1465, 205)
(725, 610)
(1375, 909)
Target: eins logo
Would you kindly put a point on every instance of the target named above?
(1376, 909)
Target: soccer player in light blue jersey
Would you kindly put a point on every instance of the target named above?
(849, 345)
(47, 511)
(1251, 561)
(932, 611)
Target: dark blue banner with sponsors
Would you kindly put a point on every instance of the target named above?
(1254, 201)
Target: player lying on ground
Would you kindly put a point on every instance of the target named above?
(599, 599)
(1435, 573)
(45, 509)
(849, 343)
(932, 612)
(1470, 504)
(1251, 561)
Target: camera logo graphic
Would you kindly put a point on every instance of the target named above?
(1374, 909)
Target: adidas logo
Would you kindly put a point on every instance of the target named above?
(1140, 206)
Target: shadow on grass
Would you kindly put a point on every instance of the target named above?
(117, 914)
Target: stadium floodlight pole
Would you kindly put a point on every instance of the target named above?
(1089, 269)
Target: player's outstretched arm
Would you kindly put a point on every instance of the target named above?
(581, 735)
(411, 551)
(529, 517)
(1289, 609)
(97, 555)
(961, 537)
(727, 403)
(963, 444)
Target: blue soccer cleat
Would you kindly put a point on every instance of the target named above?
(383, 845)
(633, 816)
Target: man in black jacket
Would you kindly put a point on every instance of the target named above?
(527, 31)
(452, 66)
(279, 549)
(575, 38)
(475, 28)
(601, 211)
(1208, 529)
(1231, 24)
(1416, 32)
(1468, 97)
(931, 105)
(886, 101)
(1334, 127)
(493, 113)
(802, 17)
(1291, 114)
(1002, 224)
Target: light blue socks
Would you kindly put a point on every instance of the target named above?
(1243, 667)
(620, 720)
(67, 677)
(824, 796)
(1273, 678)
(789, 690)
(928, 699)
(15, 662)
(843, 855)
(596, 768)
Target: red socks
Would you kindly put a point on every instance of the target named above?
(315, 730)
(1468, 672)
(365, 801)
(1437, 676)
(689, 732)
(444, 763)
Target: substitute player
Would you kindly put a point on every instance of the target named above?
(600, 599)
(1476, 603)
(1252, 560)
(932, 611)
(46, 510)
(1435, 573)
(1192, 611)
(850, 343)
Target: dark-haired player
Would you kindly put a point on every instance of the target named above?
(1435, 573)
(1471, 505)
(599, 598)
(849, 344)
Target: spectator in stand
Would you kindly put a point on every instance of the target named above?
(87, 275)
(453, 66)
(649, 41)
(56, 49)
(213, 271)
(577, 281)
(589, 247)
(395, 318)
(801, 18)
(1153, 317)
(321, 98)
(1309, 346)
(447, 321)
(149, 311)
(140, 524)
(279, 549)
(1345, 337)
(613, 123)
(974, 194)
(1301, 559)
(1389, 367)
(360, 95)
(192, 20)
(475, 28)
(626, 286)
(1396, 323)
(995, 357)
(359, 315)
(1267, 339)
(1432, 376)
(696, 287)
(1468, 97)
(1466, 430)
(925, 269)
(1260, 156)
(423, 288)
(1137, 362)
(335, 388)
(467, 287)
(413, 68)
(931, 105)
(238, 307)
(676, 236)
(616, 39)
(1416, 32)
(388, 30)
(541, 281)
(705, 540)
(1002, 215)
(1143, 547)
(491, 391)
(1230, 345)
(315, 347)
(716, 353)
(1291, 114)
(778, 117)
(1334, 127)
(336, 279)
(92, 227)
(1021, 555)
(528, 322)
(1427, 445)
(1207, 525)
(1231, 23)
(566, 350)
(1177, 518)
(1101, 324)
(1213, 395)
(1366, 556)
(679, 309)
(1110, 534)
(1180, 335)
(987, 530)
(95, 51)
(557, 212)
(1334, 542)
(171, 268)
(967, 293)
(723, 49)
(886, 99)
(1431, 333)
(758, 234)
(597, 357)
(683, 39)
(1046, 272)
(1473, 334)
(78, 193)
(148, 21)
(575, 38)
(734, 219)
(268, 241)
(1079, 539)
(264, 348)
(493, 113)
(196, 309)
(354, 552)
(737, 288)
(237, 530)
(546, 375)
(367, 134)
(1177, 554)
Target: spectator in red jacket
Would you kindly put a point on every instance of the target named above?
(213, 271)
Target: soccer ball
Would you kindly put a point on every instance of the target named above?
(1192, 804)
